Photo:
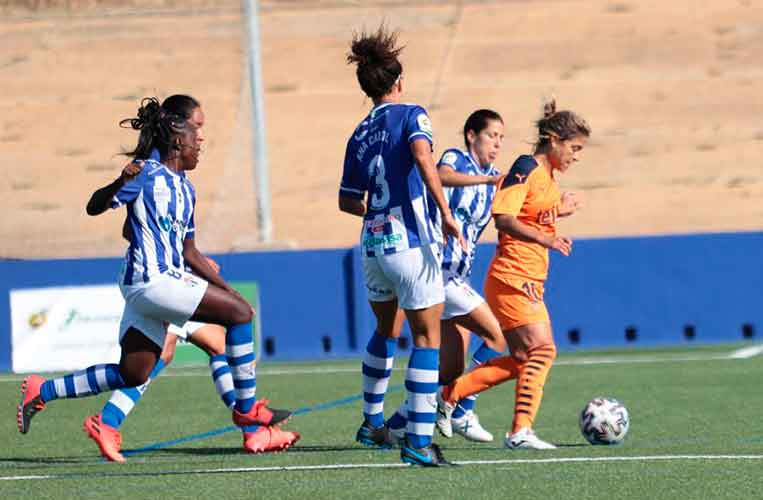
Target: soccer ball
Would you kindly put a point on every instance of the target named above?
(604, 421)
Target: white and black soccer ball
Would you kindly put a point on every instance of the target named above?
(604, 421)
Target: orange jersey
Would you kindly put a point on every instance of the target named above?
(530, 193)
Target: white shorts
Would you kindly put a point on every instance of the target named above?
(460, 297)
(185, 331)
(414, 276)
(171, 297)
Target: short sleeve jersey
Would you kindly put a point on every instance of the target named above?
(470, 206)
(379, 166)
(530, 193)
(160, 215)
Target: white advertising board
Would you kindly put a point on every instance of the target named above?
(64, 328)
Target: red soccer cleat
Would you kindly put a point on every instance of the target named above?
(108, 439)
(269, 438)
(260, 414)
(31, 402)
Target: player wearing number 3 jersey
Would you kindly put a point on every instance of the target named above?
(390, 180)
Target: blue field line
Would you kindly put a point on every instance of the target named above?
(216, 432)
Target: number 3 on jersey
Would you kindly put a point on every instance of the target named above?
(376, 172)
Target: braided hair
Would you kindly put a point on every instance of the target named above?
(159, 124)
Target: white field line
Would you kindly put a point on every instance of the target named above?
(747, 352)
(322, 467)
(203, 371)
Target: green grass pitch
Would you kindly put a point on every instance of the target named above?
(696, 432)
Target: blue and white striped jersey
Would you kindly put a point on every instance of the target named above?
(471, 210)
(400, 213)
(160, 208)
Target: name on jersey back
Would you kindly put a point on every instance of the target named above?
(370, 140)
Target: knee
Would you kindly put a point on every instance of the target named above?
(212, 348)
(242, 313)
(520, 355)
(545, 351)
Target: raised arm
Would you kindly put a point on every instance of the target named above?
(101, 199)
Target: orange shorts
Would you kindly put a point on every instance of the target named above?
(516, 301)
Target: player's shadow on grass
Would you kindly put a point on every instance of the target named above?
(323, 448)
(208, 451)
(45, 460)
(188, 451)
(498, 447)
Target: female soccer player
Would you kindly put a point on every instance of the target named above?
(389, 155)
(469, 178)
(104, 427)
(525, 210)
(157, 289)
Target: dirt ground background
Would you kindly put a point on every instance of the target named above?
(671, 89)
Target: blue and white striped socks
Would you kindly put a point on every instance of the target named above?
(221, 376)
(377, 368)
(239, 352)
(121, 402)
(87, 382)
(482, 355)
(421, 384)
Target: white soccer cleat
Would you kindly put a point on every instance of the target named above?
(444, 412)
(525, 439)
(469, 427)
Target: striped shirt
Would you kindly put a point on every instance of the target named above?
(470, 206)
(379, 166)
(160, 208)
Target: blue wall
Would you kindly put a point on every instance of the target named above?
(314, 300)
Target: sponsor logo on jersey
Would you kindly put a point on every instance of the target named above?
(377, 226)
(384, 240)
(547, 217)
(169, 224)
(462, 214)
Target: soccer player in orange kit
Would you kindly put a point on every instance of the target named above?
(525, 211)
